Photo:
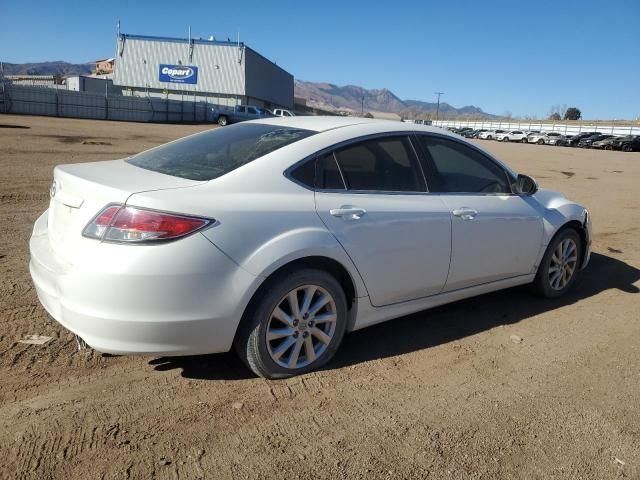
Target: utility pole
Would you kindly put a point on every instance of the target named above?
(438, 107)
(362, 106)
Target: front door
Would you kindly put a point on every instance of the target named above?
(495, 234)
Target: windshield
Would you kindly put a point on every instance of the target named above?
(213, 153)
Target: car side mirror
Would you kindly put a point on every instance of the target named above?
(526, 185)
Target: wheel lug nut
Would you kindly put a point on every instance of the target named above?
(295, 334)
(305, 316)
(305, 334)
(295, 323)
(310, 324)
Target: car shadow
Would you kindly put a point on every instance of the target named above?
(432, 327)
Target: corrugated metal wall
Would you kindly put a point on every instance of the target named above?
(62, 103)
(266, 81)
(219, 71)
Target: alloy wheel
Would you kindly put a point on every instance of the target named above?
(301, 326)
(563, 263)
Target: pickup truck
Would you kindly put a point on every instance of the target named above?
(240, 113)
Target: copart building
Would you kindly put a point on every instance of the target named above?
(218, 72)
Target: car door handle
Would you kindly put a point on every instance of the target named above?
(465, 213)
(347, 212)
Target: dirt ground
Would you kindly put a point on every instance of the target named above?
(440, 394)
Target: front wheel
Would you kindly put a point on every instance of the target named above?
(223, 121)
(295, 325)
(524, 140)
(560, 265)
(540, 142)
(627, 148)
(505, 139)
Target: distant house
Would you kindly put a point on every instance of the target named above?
(383, 116)
(105, 66)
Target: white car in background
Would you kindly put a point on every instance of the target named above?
(490, 134)
(544, 138)
(277, 236)
(512, 136)
(283, 112)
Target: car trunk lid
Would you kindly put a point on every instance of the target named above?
(80, 191)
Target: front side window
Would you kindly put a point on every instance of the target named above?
(452, 167)
(240, 109)
(213, 153)
(383, 164)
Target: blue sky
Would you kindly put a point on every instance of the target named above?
(521, 57)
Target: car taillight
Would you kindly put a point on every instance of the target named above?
(117, 223)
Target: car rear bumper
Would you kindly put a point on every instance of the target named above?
(179, 298)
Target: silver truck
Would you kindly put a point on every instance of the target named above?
(240, 113)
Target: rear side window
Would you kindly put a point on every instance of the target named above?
(211, 154)
(456, 168)
(382, 164)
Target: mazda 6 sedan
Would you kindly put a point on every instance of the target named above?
(276, 237)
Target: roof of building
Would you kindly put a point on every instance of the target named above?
(198, 41)
(383, 115)
(106, 60)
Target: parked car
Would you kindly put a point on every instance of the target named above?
(563, 141)
(225, 115)
(277, 236)
(630, 143)
(490, 134)
(605, 144)
(512, 136)
(576, 138)
(542, 138)
(283, 112)
(555, 139)
(473, 133)
(588, 141)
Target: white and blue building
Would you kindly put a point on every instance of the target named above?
(218, 72)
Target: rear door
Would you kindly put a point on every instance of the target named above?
(495, 234)
(371, 196)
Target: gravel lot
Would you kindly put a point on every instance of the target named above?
(440, 394)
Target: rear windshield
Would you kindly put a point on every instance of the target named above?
(211, 154)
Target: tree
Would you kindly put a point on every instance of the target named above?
(555, 116)
(573, 113)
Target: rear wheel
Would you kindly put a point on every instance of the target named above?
(627, 148)
(505, 139)
(223, 120)
(540, 142)
(524, 140)
(560, 264)
(608, 147)
(296, 325)
(489, 137)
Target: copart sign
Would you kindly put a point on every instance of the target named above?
(178, 74)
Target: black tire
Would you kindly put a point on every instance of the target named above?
(540, 142)
(542, 283)
(223, 121)
(489, 137)
(608, 147)
(251, 341)
(505, 139)
(524, 140)
(627, 148)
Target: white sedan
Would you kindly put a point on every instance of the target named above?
(277, 236)
(512, 136)
(545, 138)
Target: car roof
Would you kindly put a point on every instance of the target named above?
(325, 123)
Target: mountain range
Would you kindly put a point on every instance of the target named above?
(324, 96)
(351, 98)
(57, 67)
